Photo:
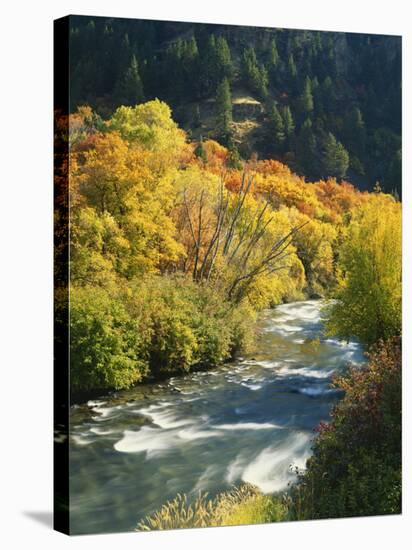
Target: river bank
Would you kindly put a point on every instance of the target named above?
(81, 397)
(248, 421)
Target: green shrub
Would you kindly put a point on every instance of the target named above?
(355, 469)
(188, 324)
(105, 341)
(242, 505)
(155, 327)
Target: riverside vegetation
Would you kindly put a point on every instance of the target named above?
(172, 256)
(177, 243)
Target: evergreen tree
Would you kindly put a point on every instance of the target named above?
(317, 96)
(394, 176)
(289, 124)
(207, 75)
(224, 67)
(335, 159)
(292, 71)
(197, 121)
(328, 94)
(306, 98)
(255, 76)
(354, 132)
(306, 152)
(190, 65)
(200, 151)
(277, 127)
(273, 62)
(273, 54)
(191, 48)
(234, 160)
(129, 90)
(223, 109)
(263, 82)
(124, 55)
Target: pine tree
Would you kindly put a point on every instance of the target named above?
(200, 151)
(273, 54)
(129, 90)
(289, 124)
(191, 48)
(197, 121)
(328, 94)
(223, 109)
(292, 68)
(124, 54)
(306, 97)
(208, 71)
(277, 127)
(354, 132)
(234, 160)
(335, 159)
(394, 176)
(255, 76)
(224, 67)
(377, 188)
(263, 82)
(189, 66)
(306, 152)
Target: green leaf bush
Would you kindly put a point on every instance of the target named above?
(151, 328)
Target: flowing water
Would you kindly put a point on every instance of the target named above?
(251, 420)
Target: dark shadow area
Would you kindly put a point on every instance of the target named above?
(44, 518)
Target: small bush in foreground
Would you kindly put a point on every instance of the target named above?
(355, 469)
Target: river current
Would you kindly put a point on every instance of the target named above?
(251, 420)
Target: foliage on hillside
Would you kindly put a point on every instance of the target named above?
(180, 250)
(330, 103)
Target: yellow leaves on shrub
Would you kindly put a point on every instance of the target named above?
(370, 263)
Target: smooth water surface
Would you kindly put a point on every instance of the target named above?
(251, 420)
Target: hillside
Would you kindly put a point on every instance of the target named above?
(326, 104)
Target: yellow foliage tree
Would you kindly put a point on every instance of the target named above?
(150, 125)
(116, 180)
(370, 263)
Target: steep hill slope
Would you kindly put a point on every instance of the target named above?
(327, 104)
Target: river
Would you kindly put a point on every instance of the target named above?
(251, 420)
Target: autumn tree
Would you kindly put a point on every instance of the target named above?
(369, 298)
(150, 125)
(236, 241)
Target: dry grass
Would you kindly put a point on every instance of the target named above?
(240, 506)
